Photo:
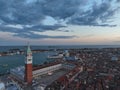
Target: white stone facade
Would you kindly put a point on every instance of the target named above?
(46, 70)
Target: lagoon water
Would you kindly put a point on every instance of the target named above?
(6, 48)
(7, 62)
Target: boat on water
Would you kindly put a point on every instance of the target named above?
(56, 56)
(4, 65)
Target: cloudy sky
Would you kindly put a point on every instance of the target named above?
(60, 22)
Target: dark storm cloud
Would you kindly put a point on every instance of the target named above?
(62, 8)
(26, 32)
(17, 12)
(20, 12)
(43, 28)
(36, 36)
(40, 28)
(33, 12)
(97, 14)
(118, 0)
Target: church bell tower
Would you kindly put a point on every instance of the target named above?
(28, 66)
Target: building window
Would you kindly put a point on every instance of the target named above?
(29, 59)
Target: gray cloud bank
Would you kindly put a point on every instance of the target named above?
(29, 14)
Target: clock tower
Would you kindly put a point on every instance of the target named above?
(28, 66)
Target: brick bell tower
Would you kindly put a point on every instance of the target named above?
(28, 66)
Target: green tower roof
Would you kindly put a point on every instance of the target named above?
(29, 50)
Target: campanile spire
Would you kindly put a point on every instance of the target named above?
(28, 65)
